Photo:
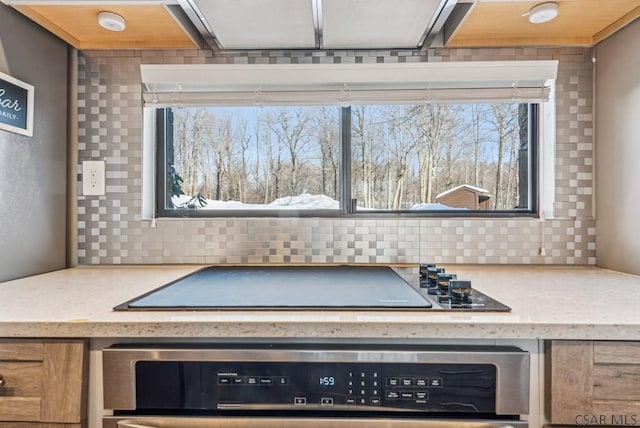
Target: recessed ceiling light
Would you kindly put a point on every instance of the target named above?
(543, 12)
(111, 21)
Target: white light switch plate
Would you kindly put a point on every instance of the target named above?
(93, 178)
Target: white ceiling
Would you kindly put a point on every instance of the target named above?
(372, 24)
(313, 24)
(250, 24)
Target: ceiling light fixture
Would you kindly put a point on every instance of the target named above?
(543, 12)
(111, 21)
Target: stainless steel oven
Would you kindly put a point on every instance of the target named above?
(315, 385)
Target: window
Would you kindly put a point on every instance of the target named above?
(413, 139)
(464, 157)
(233, 159)
(409, 159)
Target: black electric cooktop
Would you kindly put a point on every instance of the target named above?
(297, 287)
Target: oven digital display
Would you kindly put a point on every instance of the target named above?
(327, 381)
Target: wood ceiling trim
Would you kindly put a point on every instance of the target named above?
(44, 22)
(493, 23)
(520, 41)
(143, 44)
(148, 26)
(619, 24)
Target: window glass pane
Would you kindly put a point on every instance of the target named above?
(441, 157)
(247, 158)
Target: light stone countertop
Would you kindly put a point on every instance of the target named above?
(547, 302)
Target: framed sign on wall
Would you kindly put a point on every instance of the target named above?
(16, 105)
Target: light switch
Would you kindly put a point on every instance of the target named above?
(93, 178)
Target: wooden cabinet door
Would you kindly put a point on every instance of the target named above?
(65, 381)
(593, 383)
(43, 381)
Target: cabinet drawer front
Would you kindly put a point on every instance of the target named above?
(616, 382)
(616, 353)
(594, 378)
(19, 408)
(21, 379)
(13, 350)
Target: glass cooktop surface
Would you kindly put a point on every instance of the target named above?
(241, 287)
(301, 287)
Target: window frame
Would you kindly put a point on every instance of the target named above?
(164, 129)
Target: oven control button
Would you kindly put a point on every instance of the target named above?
(406, 382)
(326, 401)
(392, 395)
(267, 381)
(237, 380)
(375, 401)
(252, 380)
(393, 381)
(436, 381)
(362, 400)
(224, 380)
(375, 392)
(350, 400)
(422, 396)
(421, 382)
(282, 380)
(300, 401)
(406, 395)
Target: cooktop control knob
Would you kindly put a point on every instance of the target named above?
(443, 282)
(432, 275)
(424, 270)
(460, 291)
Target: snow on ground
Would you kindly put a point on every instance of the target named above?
(436, 206)
(304, 201)
(299, 202)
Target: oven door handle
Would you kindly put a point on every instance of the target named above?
(295, 422)
(132, 424)
(129, 424)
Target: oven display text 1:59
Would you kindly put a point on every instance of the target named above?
(327, 381)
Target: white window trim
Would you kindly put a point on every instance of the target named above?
(161, 80)
(547, 156)
(148, 163)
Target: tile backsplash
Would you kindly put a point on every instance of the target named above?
(111, 229)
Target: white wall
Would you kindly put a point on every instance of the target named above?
(618, 151)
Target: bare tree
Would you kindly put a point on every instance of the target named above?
(402, 144)
(189, 136)
(512, 173)
(503, 121)
(478, 115)
(362, 138)
(326, 128)
(291, 129)
(435, 124)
